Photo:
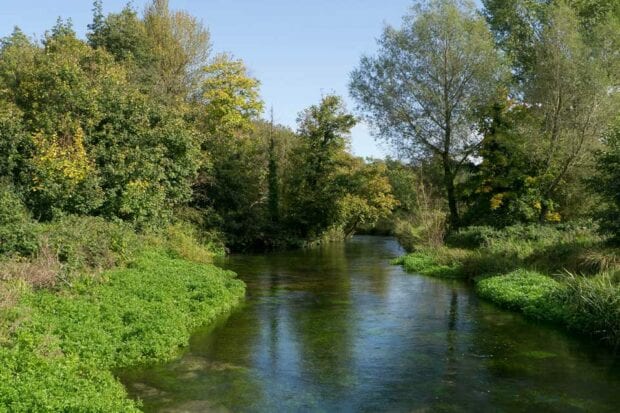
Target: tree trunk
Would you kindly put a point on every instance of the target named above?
(453, 208)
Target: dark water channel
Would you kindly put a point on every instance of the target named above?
(339, 329)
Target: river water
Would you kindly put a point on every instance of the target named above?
(337, 328)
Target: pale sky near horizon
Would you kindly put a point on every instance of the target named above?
(299, 50)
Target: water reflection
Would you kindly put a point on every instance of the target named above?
(339, 329)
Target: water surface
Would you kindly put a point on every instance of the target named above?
(339, 329)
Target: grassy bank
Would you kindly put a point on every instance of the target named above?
(63, 345)
(562, 274)
(83, 296)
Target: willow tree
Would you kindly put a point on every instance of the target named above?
(571, 94)
(422, 89)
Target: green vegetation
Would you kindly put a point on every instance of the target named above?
(508, 133)
(127, 161)
(130, 158)
(530, 268)
(63, 345)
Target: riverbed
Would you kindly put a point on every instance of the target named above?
(337, 328)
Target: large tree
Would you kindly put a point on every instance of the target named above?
(571, 96)
(422, 89)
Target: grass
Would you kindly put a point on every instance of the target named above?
(565, 275)
(432, 263)
(61, 346)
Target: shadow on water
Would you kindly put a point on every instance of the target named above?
(338, 329)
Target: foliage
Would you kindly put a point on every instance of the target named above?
(89, 244)
(509, 267)
(594, 306)
(428, 263)
(313, 192)
(526, 291)
(573, 107)
(17, 230)
(62, 355)
(424, 224)
(229, 97)
(423, 88)
(606, 182)
(183, 241)
(367, 197)
(502, 189)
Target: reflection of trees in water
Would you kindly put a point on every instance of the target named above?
(451, 368)
(533, 367)
(324, 324)
(336, 327)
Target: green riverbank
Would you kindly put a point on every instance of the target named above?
(61, 346)
(565, 276)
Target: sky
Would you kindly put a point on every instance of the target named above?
(299, 50)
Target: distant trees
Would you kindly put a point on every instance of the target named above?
(313, 194)
(327, 187)
(423, 88)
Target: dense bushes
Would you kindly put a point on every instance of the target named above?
(17, 230)
(588, 305)
(593, 305)
(90, 244)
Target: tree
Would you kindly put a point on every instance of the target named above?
(606, 182)
(274, 187)
(516, 25)
(569, 95)
(312, 192)
(366, 194)
(231, 185)
(500, 190)
(422, 89)
(181, 45)
(229, 98)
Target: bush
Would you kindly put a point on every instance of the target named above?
(90, 244)
(443, 262)
(607, 183)
(17, 230)
(40, 271)
(182, 240)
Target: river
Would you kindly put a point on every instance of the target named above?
(339, 329)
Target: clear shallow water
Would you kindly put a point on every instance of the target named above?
(339, 329)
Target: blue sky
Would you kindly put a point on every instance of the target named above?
(299, 50)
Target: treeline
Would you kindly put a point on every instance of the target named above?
(505, 116)
(141, 123)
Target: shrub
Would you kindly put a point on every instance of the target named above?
(182, 240)
(40, 271)
(17, 230)
(87, 244)
(442, 262)
(607, 183)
